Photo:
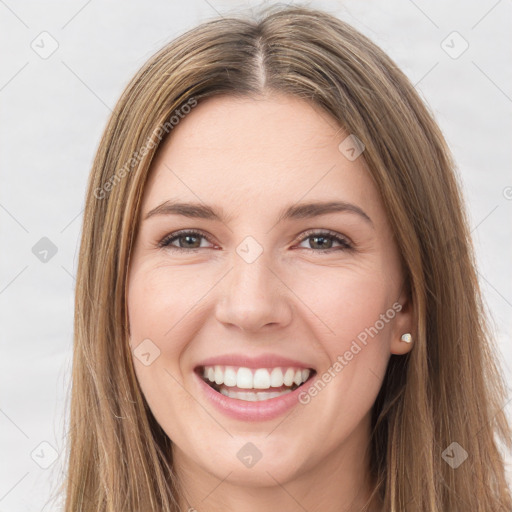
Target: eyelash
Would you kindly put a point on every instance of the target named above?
(345, 244)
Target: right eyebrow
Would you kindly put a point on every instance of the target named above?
(191, 210)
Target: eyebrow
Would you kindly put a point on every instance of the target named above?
(294, 212)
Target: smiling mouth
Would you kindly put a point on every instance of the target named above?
(254, 385)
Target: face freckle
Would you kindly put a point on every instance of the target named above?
(254, 285)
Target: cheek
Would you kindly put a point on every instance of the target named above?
(358, 312)
(349, 303)
(157, 305)
(158, 309)
(158, 300)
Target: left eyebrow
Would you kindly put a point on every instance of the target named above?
(310, 210)
(293, 212)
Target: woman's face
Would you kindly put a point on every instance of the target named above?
(263, 290)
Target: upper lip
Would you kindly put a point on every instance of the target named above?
(261, 361)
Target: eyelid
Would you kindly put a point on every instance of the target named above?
(164, 243)
(333, 234)
(345, 241)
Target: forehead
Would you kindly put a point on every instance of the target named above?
(254, 154)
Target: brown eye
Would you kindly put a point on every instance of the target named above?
(322, 241)
(187, 240)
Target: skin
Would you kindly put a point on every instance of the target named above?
(253, 157)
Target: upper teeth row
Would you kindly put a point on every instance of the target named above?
(261, 378)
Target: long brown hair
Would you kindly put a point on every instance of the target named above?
(448, 389)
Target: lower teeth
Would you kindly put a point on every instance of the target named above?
(249, 396)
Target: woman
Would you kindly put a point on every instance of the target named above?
(277, 305)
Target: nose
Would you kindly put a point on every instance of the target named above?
(253, 297)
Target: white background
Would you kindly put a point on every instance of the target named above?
(55, 109)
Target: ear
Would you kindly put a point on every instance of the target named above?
(403, 324)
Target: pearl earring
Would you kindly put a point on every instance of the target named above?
(406, 337)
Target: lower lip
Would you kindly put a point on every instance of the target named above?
(251, 411)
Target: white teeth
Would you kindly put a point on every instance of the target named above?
(243, 378)
(219, 377)
(288, 377)
(229, 376)
(276, 378)
(260, 378)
